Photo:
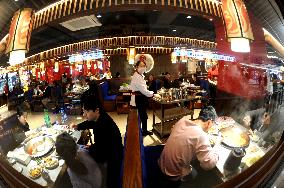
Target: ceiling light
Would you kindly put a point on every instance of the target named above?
(99, 16)
(174, 30)
(210, 19)
(188, 17)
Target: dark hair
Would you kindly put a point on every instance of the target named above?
(207, 113)
(22, 109)
(167, 73)
(66, 148)
(138, 63)
(90, 99)
(117, 74)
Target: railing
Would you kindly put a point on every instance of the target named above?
(132, 165)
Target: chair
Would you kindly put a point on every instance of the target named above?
(86, 137)
(108, 100)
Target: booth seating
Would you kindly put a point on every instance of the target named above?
(140, 164)
(108, 100)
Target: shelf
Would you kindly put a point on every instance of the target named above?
(190, 98)
(173, 113)
(166, 129)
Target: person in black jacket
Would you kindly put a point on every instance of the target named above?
(167, 81)
(12, 131)
(151, 83)
(107, 147)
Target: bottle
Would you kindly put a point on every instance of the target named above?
(63, 116)
(234, 160)
(47, 119)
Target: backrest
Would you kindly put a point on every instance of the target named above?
(104, 88)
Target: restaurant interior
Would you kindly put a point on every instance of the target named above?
(225, 54)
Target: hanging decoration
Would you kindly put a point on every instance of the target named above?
(19, 35)
(88, 64)
(42, 71)
(3, 44)
(148, 59)
(183, 55)
(56, 66)
(238, 27)
(173, 57)
(131, 55)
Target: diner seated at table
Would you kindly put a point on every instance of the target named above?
(188, 140)
(258, 119)
(12, 131)
(151, 83)
(167, 83)
(82, 169)
(47, 94)
(107, 149)
(37, 92)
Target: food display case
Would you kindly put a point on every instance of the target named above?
(169, 106)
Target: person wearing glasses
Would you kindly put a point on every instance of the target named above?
(187, 141)
(107, 148)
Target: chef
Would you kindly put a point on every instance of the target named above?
(140, 94)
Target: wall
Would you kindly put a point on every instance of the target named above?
(232, 78)
(162, 64)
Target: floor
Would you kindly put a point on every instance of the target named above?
(35, 119)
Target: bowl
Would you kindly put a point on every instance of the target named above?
(39, 146)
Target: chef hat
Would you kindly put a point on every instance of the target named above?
(208, 113)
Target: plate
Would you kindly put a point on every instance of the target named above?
(234, 137)
(50, 162)
(224, 121)
(39, 146)
(35, 172)
(18, 168)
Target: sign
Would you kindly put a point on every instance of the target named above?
(86, 56)
(202, 55)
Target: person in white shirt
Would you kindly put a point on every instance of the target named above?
(188, 140)
(140, 95)
(83, 171)
(37, 92)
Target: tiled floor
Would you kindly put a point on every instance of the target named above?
(35, 120)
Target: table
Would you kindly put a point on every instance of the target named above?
(54, 174)
(253, 150)
(170, 116)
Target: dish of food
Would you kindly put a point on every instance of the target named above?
(35, 172)
(234, 137)
(39, 146)
(50, 131)
(50, 162)
(225, 121)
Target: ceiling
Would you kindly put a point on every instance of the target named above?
(137, 22)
